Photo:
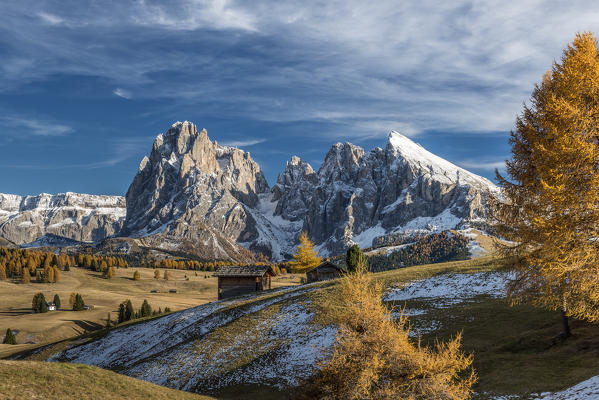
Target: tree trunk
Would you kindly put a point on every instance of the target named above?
(565, 325)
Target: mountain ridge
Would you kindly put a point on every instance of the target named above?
(193, 194)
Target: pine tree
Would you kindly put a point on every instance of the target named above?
(10, 337)
(121, 313)
(56, 301)
(108, 321)
(38, 304)
(354, 258)
(136, 276)
(551, 207)
(79, 304)
(129, 313)
(306, 258)
(145, 310)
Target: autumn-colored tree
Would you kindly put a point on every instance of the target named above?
(2, 272)
(48, 274)
(156, 274)
(72, 298)
(109, 272)
(166, 275)
(136, 276)
(26, 277)
(306, 257)
(551, 206)
(375, 358)
(56, 274)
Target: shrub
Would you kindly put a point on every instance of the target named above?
(9, 338)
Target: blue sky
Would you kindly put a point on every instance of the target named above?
(86, 86)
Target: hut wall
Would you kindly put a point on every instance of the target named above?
(237, 286)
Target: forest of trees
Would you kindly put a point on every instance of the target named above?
(438, 247)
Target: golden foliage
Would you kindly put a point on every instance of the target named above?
(551, 205)
(306, 256)
(375, 359)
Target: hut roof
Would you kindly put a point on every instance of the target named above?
(240, 271)
(330, 264)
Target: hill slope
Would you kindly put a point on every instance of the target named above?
(57, 381)
(275, 339)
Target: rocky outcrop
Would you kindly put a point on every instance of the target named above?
(195, 192)
(66, 216)
(357, 196)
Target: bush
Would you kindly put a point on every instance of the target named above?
(38, 305)
(9, 338)
(79, 304)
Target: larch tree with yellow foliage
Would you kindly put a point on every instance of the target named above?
(375, 358)
(306, 256)
(550, 209)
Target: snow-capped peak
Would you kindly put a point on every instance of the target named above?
(441, 169)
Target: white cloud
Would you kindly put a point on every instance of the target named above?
(126, 94)
(482, 165)
(19, 126)
(50, 18)
(244, 142)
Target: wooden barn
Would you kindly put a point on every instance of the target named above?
(237, 281)
(325, 272)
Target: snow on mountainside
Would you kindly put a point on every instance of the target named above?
(58, 219)
(357, 196)
(193, 195)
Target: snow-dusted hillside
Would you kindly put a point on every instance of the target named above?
(45, 219)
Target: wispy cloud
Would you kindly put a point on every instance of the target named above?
(122, 93)
(24, 127)
(244, 142)
(482, 165)
(464, 65)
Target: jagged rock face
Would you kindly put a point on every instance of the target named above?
(79, 217)
(357, 196)
(195, 191)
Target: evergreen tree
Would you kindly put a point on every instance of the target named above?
(355, 259)
(136, 276)
(551, 207)
(79, 304)
(9, 338)
(167, 309)
(66, 267)
(121, 313)
(306, 257)
(129, 313)
(38, 303)
(108, 321)
(56, 301)
(145, 310)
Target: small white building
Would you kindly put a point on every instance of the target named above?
(51, 306)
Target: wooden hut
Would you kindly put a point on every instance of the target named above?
(325, 272)
(237, 281)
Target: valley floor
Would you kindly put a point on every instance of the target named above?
(105, 295)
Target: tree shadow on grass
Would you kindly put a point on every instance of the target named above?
(87, 326)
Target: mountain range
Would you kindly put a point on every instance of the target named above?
(194, 195)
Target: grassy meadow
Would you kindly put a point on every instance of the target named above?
(105, 295)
